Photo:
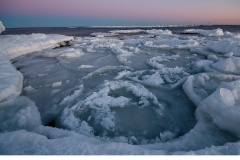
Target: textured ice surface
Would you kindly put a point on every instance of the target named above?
(134, 93)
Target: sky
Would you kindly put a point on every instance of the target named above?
(56, 13)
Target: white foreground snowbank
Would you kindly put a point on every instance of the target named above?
(223, 106)
(2, 28)
(19, 113)
(13, 46)
(214, 32)
(11, 81)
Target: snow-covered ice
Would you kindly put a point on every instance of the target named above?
(122, 92)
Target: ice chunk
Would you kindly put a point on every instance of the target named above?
(171, 43)
(19, 113)
(214, 32)
(56, 84)
(200, 86)
(11, 81)
(63, 53)
(159, 32)
(127, 31)
(13, 46)
(223, 106)
(122, 74)
(75, 95)
(227, 66)
(200, 65)
(101, 34)
(122, 55)
(167, 135)
(2, 28)
(224, 46)
(159, 78)
(83, 66)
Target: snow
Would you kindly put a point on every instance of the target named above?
(2, 28)
(13, 46)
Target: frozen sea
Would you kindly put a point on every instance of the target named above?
(120, 90)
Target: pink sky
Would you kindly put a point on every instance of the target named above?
(191, 11)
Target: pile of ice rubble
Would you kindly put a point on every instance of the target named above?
(214, 89)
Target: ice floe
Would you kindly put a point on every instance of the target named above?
(13, 46)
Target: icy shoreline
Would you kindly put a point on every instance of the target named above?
(213, 86)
